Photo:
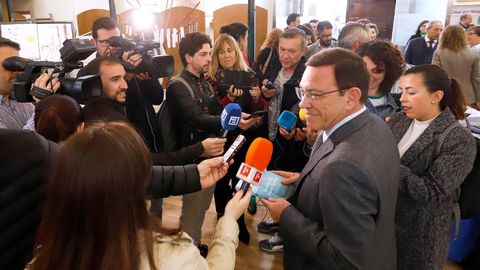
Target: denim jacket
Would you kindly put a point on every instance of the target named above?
(386, 110)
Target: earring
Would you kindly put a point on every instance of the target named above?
(433, 102)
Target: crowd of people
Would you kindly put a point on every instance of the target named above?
(376, 167)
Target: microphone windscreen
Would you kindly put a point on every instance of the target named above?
(15, 63)
(231, 115)
(301, 115)
(287, 120)
(259, 153)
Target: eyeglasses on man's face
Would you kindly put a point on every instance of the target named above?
(103, 43)
(314, 94)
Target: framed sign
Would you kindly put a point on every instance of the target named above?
(467, 2)
(38, 41)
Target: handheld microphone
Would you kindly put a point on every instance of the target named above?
(258, 156)
(302, 118)
(233, 149)
(287, 120)
(230, 118)
(302, 115)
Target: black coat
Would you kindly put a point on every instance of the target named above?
(25, 157)
(195, 119)
(418, 53)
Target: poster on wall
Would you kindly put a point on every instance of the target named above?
(38, 41)
(458, 11)
(467, 2)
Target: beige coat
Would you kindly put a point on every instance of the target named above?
(179, 252)
(463, 66)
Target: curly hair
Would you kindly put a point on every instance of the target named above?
(453, 38)
(272, 39)
(384, 54)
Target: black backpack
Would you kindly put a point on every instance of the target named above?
(167, 134)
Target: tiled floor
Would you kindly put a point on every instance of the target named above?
(248, 257)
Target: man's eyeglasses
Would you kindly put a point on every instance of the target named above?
(103, 43)
(315, 96)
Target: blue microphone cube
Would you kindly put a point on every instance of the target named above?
(231, 115)
(287, 120)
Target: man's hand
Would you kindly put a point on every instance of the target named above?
(131, 58)
(275, 207)
(286, 134)
(213, 147)
(44, 82)
(311, 136)
(211, 170)
(300, 134)
(268, 93)
(288, 177)
(246, 123)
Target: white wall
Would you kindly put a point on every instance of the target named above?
(409, 13)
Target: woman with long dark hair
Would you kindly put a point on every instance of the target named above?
(421, 30)
(57, 117)
(239, 32)
(96, 215)
(437, 153)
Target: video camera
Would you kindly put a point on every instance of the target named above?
(72, 52)
(157, 66)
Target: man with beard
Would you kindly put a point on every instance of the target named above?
(324, 41)
(197, 117)
(111, 105)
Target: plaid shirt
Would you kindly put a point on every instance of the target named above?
(275, 105)
(16, 115)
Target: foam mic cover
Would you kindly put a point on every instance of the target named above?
(302, 115)
(230, 118)
(258, 156)
(287, 120)
(259, 153)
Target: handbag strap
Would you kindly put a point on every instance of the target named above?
(265, 65)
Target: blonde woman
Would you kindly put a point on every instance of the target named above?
(460, 62)
(226, 55)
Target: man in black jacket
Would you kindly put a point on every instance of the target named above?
(288, 73)
(420, 50)
(142, 91)
(197, 117)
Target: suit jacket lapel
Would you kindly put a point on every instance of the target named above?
(321, 150)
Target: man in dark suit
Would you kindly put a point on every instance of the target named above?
(420, 50)
(341, 212)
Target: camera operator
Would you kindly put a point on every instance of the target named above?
(13, 114)
(142, 91)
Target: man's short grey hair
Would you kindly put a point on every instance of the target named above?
(431, 23)
(351, 33)
(293, 32)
